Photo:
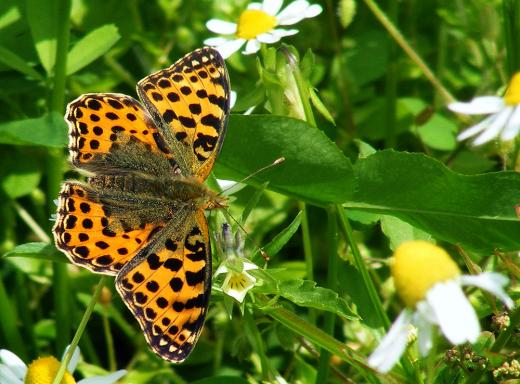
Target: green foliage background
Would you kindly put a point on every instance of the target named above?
(375, 164)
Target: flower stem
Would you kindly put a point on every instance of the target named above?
(307, 252)
(361, 267)
(332, 277)
(79, 331)
(511, 13)
(398, 37)
(258, 344)
(31, 223)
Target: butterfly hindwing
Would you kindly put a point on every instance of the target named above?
(90, 236)
(167, 286)
(190, 103)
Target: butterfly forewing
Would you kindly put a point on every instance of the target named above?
(190, 102)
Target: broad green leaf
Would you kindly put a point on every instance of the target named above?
(49, 130)
(39, 250)
(314, 169)
(90, 47)
(44, 19)
(399, 231)
(20, 171)
(17, 63)
(305, 293)
(476, 212)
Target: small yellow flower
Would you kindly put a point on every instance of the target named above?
(413, 272)
(504, 119)
(43, 370)
(257, 24)
(430, 284)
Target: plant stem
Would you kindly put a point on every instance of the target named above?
(332, 277)
(398, 37)
(79, 331)
(307, 252)
(511, 12)
(257, 343)
(112, 365)
(361, 267)
(31, 223)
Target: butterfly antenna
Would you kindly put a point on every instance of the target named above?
(274, 163)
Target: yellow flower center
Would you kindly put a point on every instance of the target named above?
(253, 22)
(238, 281)
(512, 96)
(417, 266)
(43, 370)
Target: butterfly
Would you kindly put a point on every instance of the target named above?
(140, 215)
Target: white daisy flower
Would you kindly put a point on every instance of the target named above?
(434, 298)
(257, 24)
(504, 119)
(42, 370)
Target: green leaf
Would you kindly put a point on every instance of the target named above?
(305, 293)
(92, 46)
(17, 63)
(22, 179)
(314, 170)
(476, 212)
(399, 231)
(49, 130)
(320, 107)
(43, 21)
(40, 250)
(274, 246)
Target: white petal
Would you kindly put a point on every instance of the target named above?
(313, 11)
(284, 32)
(247, 266)
(221, 269)
(495, 127)
(222, 27)
(268, 38)
(257, 6)
(7, 376)
(293, 13)
(392, 346)
(272, 6)
(477, 128)
(215, 41)
(252, 46)
(230, 47)
(424, 320)
(16, 364)
(73, 362)
(454, 313)
(106, 379)
(492, 282)
(512, 127)
(482, 105)
(232, 102)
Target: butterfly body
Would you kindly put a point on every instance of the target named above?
(140, 215)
